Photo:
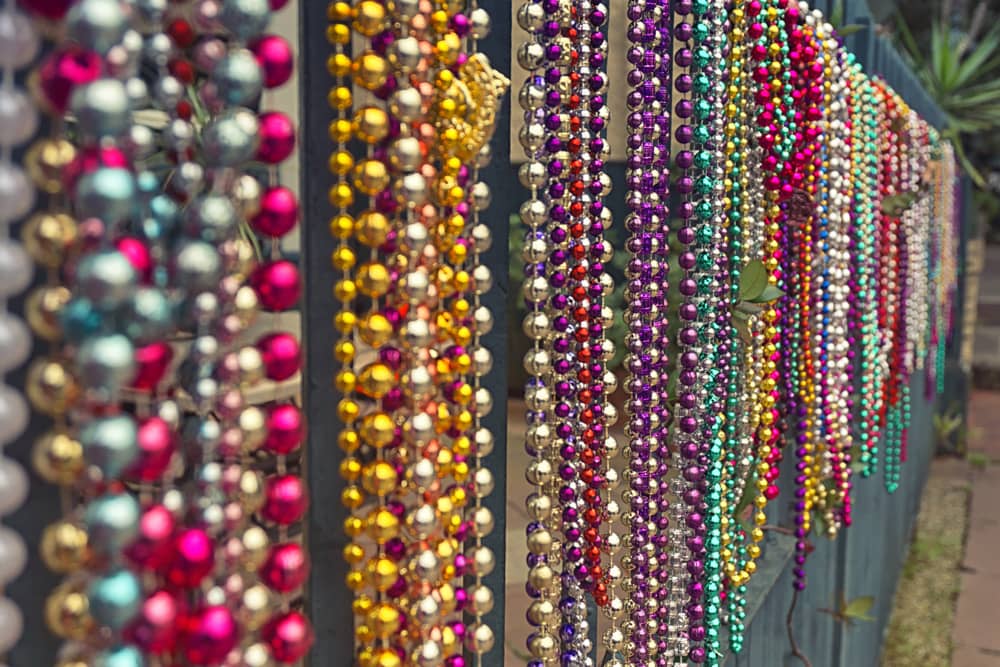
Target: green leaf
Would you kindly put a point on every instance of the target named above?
(858, 608)
(753, 280)
(837, 15)
(819, 524)
(745, 309)
(850, 29)
(769, 294)
(857, 467)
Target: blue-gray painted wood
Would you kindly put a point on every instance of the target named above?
(327, 597)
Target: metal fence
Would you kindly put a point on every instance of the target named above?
(866, 560)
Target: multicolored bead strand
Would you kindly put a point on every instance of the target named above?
(411, 381)
(100, 323)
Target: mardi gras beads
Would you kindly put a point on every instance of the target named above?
(18, 123)
(864, 123)
(546, 57)
(414, 439)
(648, 178)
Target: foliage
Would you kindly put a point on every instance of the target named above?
(950, 433)
(837, 21)
(848, 612)
(962, 73)
(752, 293)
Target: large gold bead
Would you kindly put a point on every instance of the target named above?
(377, 429)
(371, 124)
(370, 70)
(386, 657)
(375, 330)
(379, 478)
(384, 620)
(372, 228)
(67, 613)
(58, 458)
(48, 238)
(373, 279)
(382, 573)
(376, 380)
(42, 309)
(51, 387)
(371, 177)
(64, 547)
(46, 160)
(383, 525)
(369, 18)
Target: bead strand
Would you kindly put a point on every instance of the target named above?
(480, 598)
(18, 124)
(648, 189)
(545, 57)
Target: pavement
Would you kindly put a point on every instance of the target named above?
(976, 631)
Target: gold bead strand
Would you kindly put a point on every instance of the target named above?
(369, 525)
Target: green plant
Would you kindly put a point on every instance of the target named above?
(848, 612)
(961, 71)
(978, 460)
(837, 21)
(950, 432)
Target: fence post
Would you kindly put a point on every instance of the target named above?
(327, 596)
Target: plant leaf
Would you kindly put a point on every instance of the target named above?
(745, 309)
(850, 29)
(859, 607)
(837, 15)
(819, 523)
(769, 294)
(753, 280)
